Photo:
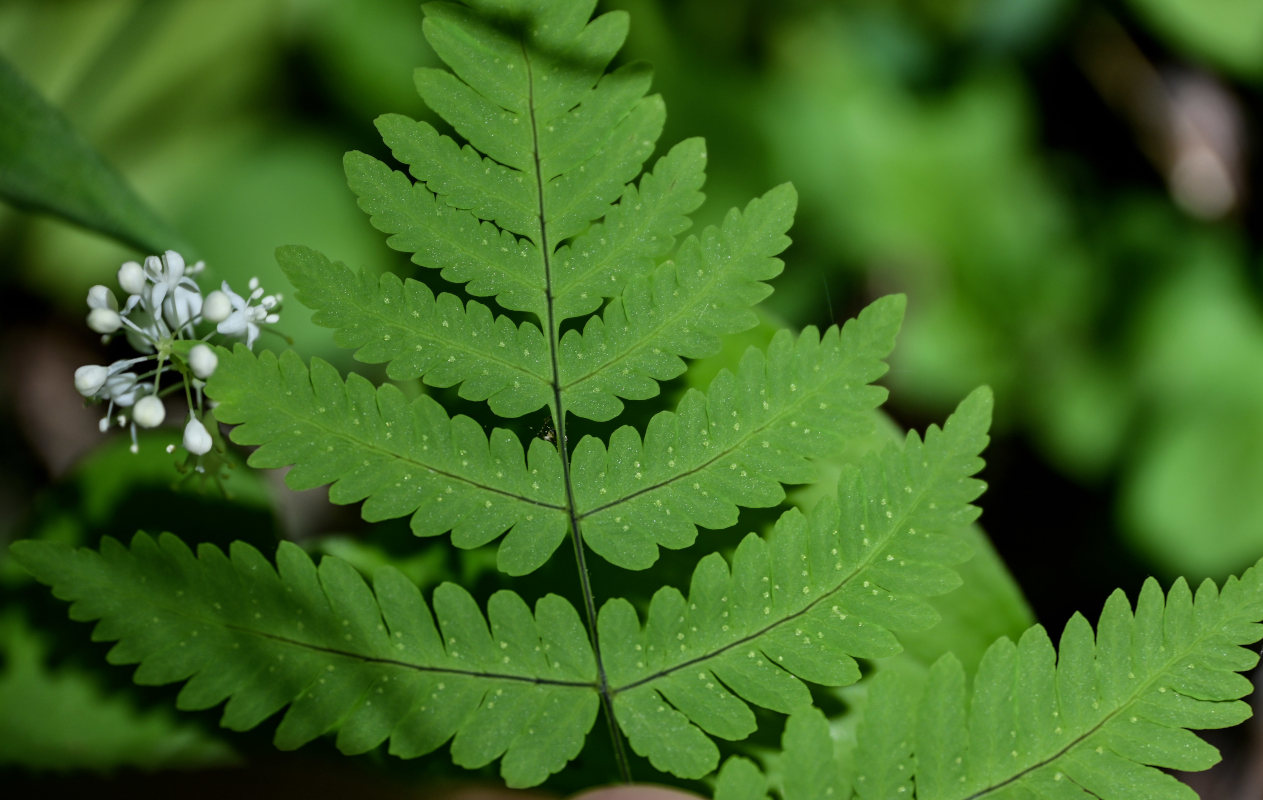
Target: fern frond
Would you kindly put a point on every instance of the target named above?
(736, 444)
(820, 591)
(679, 309)
(370, 664)
(1090, 719)
(551, 144)
(417, 335)
(399, 456)
(1094, 717)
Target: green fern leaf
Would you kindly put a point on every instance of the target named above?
(401, 457)
(813, 773)
(551, 144)
(882, 760)
(1098, 714)
(441, 340)
(370, 664)
(820, 591)
(740, 779)
(736, 444)
(679, 309)
(634, 233)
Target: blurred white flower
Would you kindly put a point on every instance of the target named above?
(90, 378)
(149, 412)
(202, 360)
(131, 277)
(196, 438)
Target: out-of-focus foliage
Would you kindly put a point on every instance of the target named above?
(1224, 33)
(64, 719)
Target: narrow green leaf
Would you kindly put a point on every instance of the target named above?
(46, 166)
(1123, 703)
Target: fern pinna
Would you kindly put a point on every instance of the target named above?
(591, 298)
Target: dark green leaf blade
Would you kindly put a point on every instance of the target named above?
(46, 166)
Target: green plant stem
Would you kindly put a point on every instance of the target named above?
(559, 424)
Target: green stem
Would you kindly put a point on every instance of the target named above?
(559, 423)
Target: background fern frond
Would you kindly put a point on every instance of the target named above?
(417, 335)
(821, 590)
(399, 456)
(370, 664)
(679, 309)
(736, 444)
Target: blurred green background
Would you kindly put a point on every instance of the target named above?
(1065, 190)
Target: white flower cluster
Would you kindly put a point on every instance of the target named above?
(161, 316)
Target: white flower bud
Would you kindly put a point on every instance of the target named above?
(149, 411)
(196, 438)
(100, 296)
(202, 360)
(90, 378)
(217, 307)
(104, 320)
(131, 276)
